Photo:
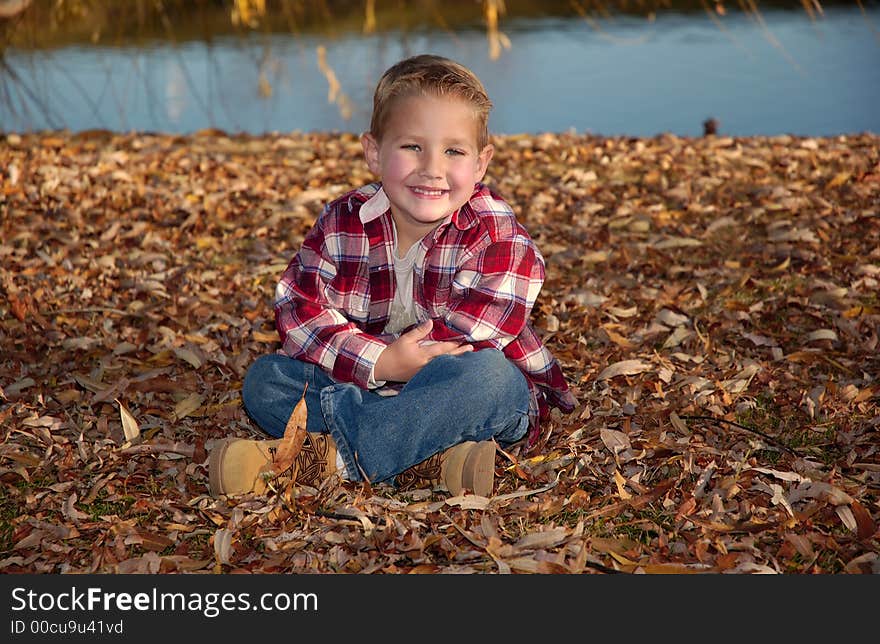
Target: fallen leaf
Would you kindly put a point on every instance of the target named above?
(188, 405)
(624, 368)
(70, 510)
(542, 539)
(189, 356)
(677, 242)
(846, 516)
(839, 179)
(865, 525)
(616, 441)
(620, 482)
(822, 334)
(678, 424)
(130, 426)
(292, 441)
(223, 546)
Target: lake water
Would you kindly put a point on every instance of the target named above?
(620, 76)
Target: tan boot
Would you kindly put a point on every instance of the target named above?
(235, 463)
(466, 466)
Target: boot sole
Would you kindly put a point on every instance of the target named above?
(478, 473)
(215, 470)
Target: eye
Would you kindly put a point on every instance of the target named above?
(411, 146)
(454, 152)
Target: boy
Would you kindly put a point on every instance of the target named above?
(405, 314)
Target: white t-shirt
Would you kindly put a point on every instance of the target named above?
(403, 312)
(402, 309)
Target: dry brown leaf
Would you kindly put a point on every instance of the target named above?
(624, 368)
(839, 179)
(223, 546)
(542, 539)
(70, 511)
(678, 424)
(130, 426)
(677, 242)
(620, 482)
(188, 405)
(866, 526)
(618, 339)
(822, 334)
(469, 502)
(615, 440)
(846, 516)
(292, 441)
(189, 356)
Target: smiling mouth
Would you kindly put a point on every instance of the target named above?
(428, 192)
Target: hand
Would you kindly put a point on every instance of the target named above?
(403, 358)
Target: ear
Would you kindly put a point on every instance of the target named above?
(371, 152)
(483, 161)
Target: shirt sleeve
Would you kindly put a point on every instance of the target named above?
(314, 328)
(493, 295)
(372, 383)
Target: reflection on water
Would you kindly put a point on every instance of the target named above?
(176, 93)
(779, 72)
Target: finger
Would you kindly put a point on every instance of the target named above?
(420, 331)
(465, 348)
(448, 347)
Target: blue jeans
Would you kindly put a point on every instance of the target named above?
(476, 396)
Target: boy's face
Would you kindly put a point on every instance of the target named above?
(427, 160)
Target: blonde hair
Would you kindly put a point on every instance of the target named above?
(427, 74)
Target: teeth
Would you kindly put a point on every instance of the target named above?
(424, 191)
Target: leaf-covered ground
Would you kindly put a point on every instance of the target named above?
(715, 303)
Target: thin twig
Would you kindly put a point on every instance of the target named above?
(345, 517)
(766, 437)
(176, 447)
(89, 309)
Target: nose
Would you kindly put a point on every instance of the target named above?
(432, 165)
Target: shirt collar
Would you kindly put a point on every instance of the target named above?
(374, 207)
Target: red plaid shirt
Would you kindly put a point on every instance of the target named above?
(477, 276)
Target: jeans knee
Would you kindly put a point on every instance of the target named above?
(493, 365)
(495, 377)
(259, 374)
(491, 360)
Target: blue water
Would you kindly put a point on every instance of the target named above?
(629, 76)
